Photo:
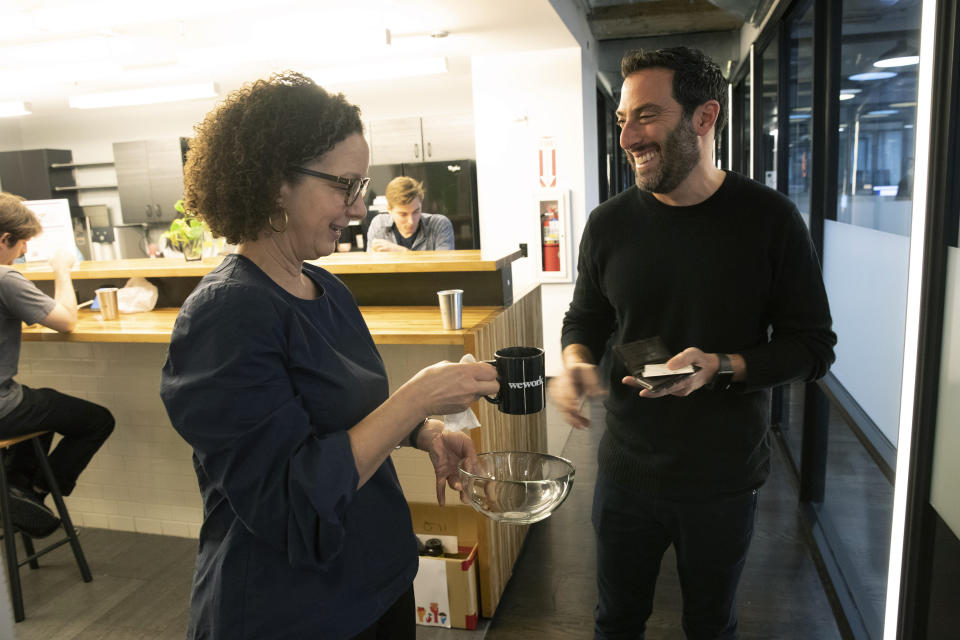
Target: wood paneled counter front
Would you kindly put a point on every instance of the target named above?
(143, 479)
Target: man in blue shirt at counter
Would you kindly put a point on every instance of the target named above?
(406, 227)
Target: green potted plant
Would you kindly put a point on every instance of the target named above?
(186, 234)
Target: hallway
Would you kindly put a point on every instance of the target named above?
(552, 592)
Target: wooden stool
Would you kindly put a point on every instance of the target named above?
(13, 564)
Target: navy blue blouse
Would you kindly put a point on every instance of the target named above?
(264, 385)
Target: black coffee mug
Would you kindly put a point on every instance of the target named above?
(520, 371)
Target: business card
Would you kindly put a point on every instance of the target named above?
(654, 370)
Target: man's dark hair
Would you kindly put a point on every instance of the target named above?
(696, 78)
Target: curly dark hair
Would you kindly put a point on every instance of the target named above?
(246, 147)
(696, 78)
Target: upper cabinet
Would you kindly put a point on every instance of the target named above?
(32, 174)
(448, 137)
(149, 179)
(421, 139)
(396, 140)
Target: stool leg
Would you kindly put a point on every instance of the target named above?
(28, 547)
(13, 569)
(62, 510)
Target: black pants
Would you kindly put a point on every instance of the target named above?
(633, 531)
(398, 623)
(84, 427)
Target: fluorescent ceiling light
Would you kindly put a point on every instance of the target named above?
(847, 96)
(48, 18)
(901, 55)
(799, 116)
(872, 75)
(377, 71)
(902, 61)
(902, 105)
(150, 95)
(31, 78)
(14, 108)
(879, 113)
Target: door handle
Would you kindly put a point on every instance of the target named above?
(416, 150)
(159, 212)
(149, 211)
(429, 149)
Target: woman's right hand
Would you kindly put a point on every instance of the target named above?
(447, 387)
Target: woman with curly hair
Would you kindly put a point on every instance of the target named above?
(274, 380)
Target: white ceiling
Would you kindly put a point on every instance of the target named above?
(50, 49)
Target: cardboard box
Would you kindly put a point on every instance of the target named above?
(460, 572)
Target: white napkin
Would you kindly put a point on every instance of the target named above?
(465, 420)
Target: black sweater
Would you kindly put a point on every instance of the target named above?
(736, 273)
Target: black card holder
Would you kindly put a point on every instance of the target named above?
(635, 355)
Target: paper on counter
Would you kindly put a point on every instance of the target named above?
(465, 420)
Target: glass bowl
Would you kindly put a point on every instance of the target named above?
(519, 487)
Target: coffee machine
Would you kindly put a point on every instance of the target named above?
(102, 236)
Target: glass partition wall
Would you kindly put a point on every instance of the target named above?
(841, 435)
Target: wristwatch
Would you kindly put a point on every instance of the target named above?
(415, 434)
(723, 378)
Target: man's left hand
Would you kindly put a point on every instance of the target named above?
(708, 363)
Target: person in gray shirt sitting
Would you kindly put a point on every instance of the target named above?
(406, 227)
(84, 425)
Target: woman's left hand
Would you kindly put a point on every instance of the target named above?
(447, 449)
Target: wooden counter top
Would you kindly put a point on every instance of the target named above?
(388, 325)
(338, 263)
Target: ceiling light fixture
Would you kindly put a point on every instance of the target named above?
(149, 95)
(847, 96)
(12, 109)
(378, 71)
(872, 75)
(901, 55)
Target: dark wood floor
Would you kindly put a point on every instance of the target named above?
(141, 582)
(552, 593)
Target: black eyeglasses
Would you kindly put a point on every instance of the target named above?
(354, 187)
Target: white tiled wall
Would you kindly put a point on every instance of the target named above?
(413, 467)
(143, 479)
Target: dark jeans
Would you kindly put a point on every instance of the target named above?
(633, 531)
(398, 623)
(84, 427)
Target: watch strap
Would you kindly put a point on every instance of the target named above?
(412, 438)
(723, 378)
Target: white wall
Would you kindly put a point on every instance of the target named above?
(9, 134)
(945, 486)
(517, 99)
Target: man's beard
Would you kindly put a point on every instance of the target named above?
(679, 154)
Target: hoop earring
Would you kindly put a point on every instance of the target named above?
(285, 221)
